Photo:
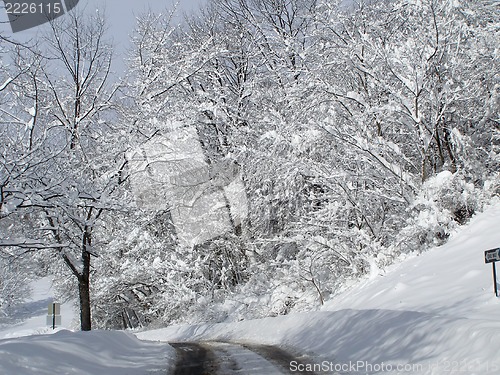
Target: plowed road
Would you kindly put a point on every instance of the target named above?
(219, 358)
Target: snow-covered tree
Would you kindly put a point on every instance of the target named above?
(78, 173)
(86, 178)
(339, 117)
(355, 131)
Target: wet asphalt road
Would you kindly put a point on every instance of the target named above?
(214, 358)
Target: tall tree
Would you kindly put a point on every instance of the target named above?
(72, 132)
(86, 176)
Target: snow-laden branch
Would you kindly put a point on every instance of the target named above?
(31, 244)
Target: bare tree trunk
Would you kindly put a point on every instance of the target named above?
(84, 294)
(84, 276)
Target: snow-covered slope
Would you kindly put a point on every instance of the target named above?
(431, 314)
(450, 280)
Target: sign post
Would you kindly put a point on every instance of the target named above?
(54, 315)
(492, 256)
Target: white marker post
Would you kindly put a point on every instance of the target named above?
(54, 315)
(492, 256)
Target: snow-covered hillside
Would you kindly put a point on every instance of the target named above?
(434, 313)
(431, 314)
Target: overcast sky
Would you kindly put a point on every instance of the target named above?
(120, 15)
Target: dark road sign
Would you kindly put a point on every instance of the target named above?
(492, 255)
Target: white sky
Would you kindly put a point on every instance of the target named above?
(121, 15)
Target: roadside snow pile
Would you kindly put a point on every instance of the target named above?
(431, 314)
(83, 353)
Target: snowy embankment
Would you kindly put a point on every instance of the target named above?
(430, 314)
(89, 353)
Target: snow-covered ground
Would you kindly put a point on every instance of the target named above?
(29, 318)
(83, 353)
(28, 346)
(429, 314)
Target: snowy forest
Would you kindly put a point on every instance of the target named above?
(255, 159)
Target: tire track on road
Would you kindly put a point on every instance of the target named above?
(194, 359)
(223, 358)
(279, 357)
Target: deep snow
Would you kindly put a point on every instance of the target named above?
(433, 313)
(95, 352)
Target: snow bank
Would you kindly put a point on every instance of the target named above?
(83, 353)
(450, 280)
